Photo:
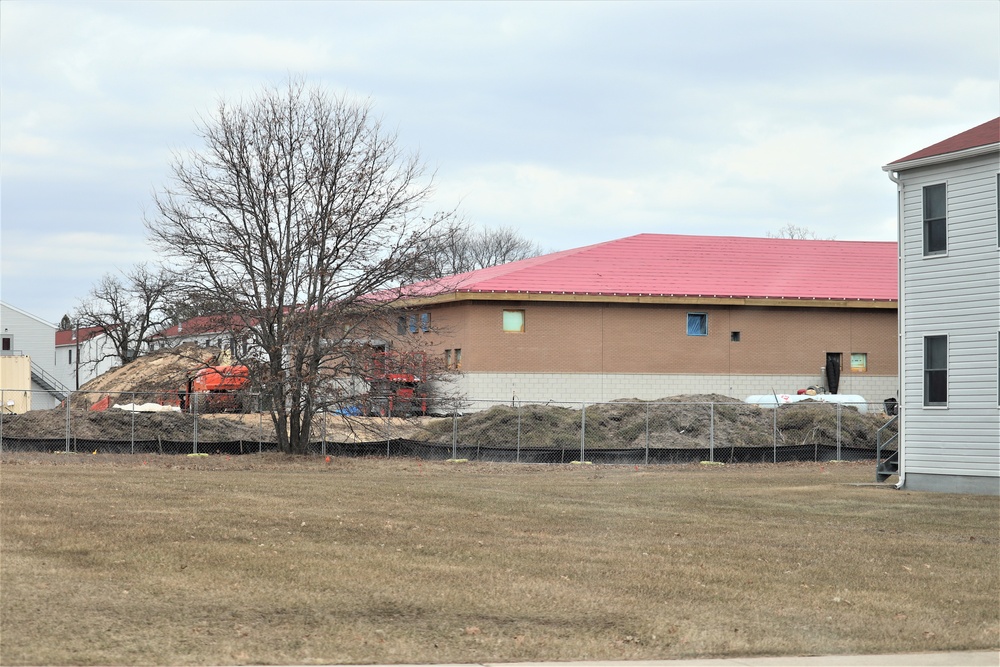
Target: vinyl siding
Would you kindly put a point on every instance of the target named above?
(956, 294)
(36, 339)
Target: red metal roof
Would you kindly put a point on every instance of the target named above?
(65, 336)
(981, 135)
(206, 324)
(694, 266)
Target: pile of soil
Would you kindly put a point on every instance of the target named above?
(150, 377)
(121, 425)
(125, 426)
(675, 422)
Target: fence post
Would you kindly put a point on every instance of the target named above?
(68, 429)
(518, 459)
(133, 422)
(774, 434)
(454, 431)
(583, 431)
(839, 406)
(647, 434)
(194, 413)
(388, 425)
(260, 426)
(711, 431)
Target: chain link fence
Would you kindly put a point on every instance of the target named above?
(621, 432)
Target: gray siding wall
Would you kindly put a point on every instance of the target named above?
(958, 295)
(36, 339)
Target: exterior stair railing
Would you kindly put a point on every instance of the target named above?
(887, 450)
(44, 380)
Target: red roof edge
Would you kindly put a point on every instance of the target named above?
(65, 336)
(981, 135)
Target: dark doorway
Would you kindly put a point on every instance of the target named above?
(833, 361)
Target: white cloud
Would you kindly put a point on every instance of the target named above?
(575, 122)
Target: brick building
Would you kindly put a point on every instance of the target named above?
(657, 315)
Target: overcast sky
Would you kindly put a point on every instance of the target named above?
(574, 123)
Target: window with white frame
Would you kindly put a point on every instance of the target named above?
(935, 370)
(935, 219)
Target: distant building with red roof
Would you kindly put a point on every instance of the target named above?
(949, 315)
(655, 315)
(210, 331)
(82, 354)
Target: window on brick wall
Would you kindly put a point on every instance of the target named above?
(413, 323)
(458, 358)
(513, 321)
(697, 324)
(425, 322)
(447, 358)
(734, 336)
(401, 324)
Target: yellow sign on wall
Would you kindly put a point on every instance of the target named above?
(859, 362)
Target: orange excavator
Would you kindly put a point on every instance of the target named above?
(215, 389)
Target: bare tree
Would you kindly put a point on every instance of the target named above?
(128, 308)
(500, 245)
(296, 210)
(459, 248)
(791, 231)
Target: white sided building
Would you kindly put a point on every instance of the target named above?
(83, 354)
(949, 314)
(25, 335)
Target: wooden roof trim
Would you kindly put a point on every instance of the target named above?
(653, 299)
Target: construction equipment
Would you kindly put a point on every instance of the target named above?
(215, 389)
(397, 384)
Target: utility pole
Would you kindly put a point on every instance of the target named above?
(76, 337)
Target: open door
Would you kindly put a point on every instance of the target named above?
(833, 361)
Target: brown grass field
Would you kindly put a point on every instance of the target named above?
(152, 560)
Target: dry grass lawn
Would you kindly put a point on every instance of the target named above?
(173, 560)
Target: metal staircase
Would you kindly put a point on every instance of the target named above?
(887, 450)
(44, 380)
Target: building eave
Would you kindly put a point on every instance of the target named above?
(932, 160)
(648, 299)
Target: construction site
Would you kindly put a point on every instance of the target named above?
(162, 403)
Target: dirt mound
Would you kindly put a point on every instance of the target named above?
(160, 373)
(679, 422)
(121, 425)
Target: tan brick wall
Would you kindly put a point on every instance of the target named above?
(622, 338)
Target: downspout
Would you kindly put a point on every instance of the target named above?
(901, 408)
